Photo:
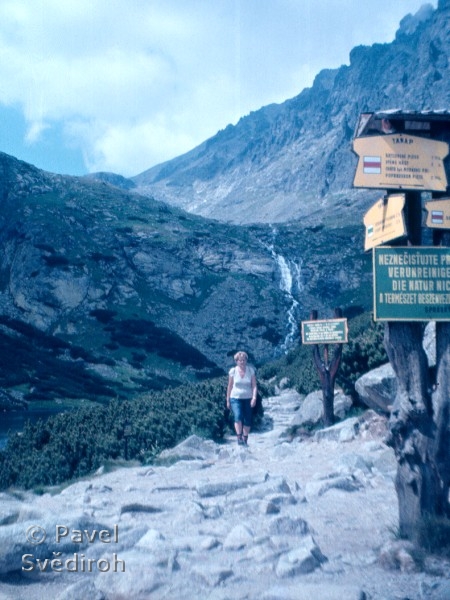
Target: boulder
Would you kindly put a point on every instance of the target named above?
(310, 412)
(22, 544)
(398, 554)
(288, 526)
(192, 448)
(377, 388)
(139, 580)
(239, 537)
(305, 558)
(344, 431)
(344, 483)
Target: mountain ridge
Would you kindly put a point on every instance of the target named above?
(294, 160)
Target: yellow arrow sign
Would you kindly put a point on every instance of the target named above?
(438, 213)
(400, 162)
(384, 221)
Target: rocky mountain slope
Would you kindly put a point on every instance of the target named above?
(281, 519)
(105, 292)
(294, 160)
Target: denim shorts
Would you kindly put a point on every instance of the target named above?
(242, 410)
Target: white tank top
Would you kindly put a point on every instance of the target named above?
(242, 386)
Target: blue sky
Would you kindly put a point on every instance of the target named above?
(122, 85)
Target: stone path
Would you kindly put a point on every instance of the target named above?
(279, 520)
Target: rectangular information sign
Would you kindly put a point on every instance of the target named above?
(326, 331)
(411, 283)
(400, 162)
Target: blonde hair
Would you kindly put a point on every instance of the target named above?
(241, 354)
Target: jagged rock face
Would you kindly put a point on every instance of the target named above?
(294, 160)
(126, 293)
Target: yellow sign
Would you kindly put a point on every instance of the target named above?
(438, 213)
(400, 161)
(384, 221)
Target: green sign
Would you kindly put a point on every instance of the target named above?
(331, 331)
(411, 283)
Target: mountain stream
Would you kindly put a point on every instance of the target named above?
(291, 284)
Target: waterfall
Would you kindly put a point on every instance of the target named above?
(290, 283)
(290, 273)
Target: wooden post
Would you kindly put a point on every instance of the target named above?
(412, 428)
(327, 372)
(411, 423)
(442, 403)
(420, 419)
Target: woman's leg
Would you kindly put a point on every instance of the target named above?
(236, 407)
(247, 419)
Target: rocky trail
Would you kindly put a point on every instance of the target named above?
(282, 519)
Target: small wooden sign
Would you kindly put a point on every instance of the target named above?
(438, 213)
(326, 331)
(384, 221)
(399, 161)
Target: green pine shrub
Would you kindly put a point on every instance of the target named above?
(75, 444)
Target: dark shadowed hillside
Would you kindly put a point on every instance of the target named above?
(106, 293)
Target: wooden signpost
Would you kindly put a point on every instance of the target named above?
(326, 331)
(404, 152)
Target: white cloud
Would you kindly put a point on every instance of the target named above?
(35, 131)
(136, 82)
(138, 146)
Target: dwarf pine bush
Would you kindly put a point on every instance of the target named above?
(75, 444)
